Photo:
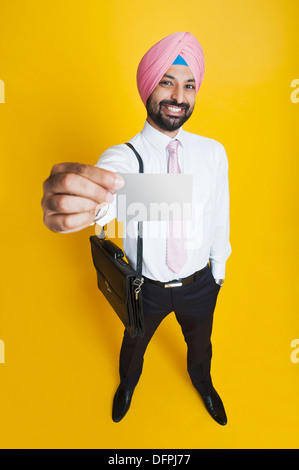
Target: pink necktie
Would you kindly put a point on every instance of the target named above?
(176, 253)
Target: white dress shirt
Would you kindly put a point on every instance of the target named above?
(208, 230)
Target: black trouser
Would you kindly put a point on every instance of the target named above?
(193, 305)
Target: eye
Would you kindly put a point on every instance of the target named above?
(165, 83)
(190, 87)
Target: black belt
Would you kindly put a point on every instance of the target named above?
(177, 282)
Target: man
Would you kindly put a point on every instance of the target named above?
(175, 268)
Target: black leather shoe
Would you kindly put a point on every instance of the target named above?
(215, 407)
(121, 403)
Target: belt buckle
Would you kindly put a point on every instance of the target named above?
(177, 283)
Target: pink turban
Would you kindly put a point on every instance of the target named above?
(160, 57)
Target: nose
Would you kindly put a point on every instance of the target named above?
(178, 94)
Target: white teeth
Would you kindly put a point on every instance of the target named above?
(174, 110)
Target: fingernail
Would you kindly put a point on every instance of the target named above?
(109, 197)
(118, 182)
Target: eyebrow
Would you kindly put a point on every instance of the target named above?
(173, 78)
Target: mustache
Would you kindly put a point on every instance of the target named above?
(186, 106)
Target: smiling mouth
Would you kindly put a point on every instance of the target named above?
(173, 110)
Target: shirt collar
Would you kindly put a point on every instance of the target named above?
(158, 139)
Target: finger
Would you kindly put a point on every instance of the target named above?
(66, 204)
(62, 223)
(106, 179)
(73, 184)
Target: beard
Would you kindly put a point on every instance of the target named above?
(164, 121)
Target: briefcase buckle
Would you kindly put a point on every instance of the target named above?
(138, 283)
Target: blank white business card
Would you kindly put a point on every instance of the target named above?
(154, 197)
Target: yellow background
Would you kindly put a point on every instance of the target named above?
(70, 92)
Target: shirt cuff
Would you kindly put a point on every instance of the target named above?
(218, 270)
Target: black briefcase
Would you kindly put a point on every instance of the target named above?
(117, 280)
